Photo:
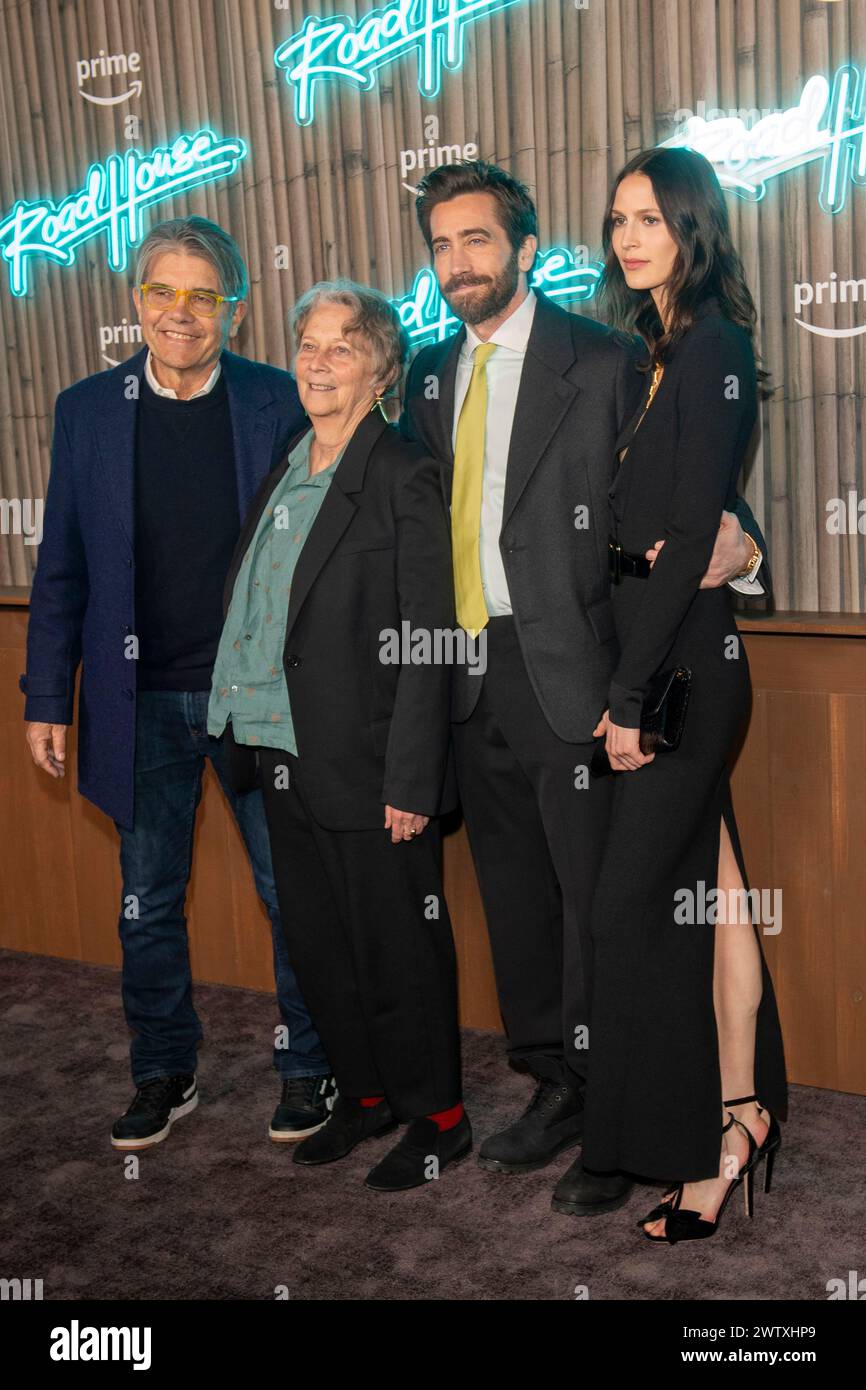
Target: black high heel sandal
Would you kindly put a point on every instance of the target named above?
(683, 1224)
(772, 1139)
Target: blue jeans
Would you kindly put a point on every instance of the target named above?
(171, 744)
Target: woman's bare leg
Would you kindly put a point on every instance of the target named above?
(737, 988)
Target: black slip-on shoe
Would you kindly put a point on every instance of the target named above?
(156, 1106)
(420, 1156)
(579, 1193)
(552, 1122)
(305, 1104)
(348, 1125)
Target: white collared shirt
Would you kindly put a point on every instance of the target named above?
(169, 390)
(504, 369)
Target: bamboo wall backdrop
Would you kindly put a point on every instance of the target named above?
(559, 94)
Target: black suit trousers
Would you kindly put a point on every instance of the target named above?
(370, 941)
(537, 826)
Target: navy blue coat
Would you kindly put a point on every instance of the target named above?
(82, 605)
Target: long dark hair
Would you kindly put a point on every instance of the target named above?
(690, 199)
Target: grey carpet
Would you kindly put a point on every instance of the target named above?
(218, 1212)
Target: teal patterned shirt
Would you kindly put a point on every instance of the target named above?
(248, 685)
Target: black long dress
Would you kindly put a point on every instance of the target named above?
(653, 1102)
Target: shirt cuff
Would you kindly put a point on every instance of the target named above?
(750, 585)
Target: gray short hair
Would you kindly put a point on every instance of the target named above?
(196, 236)
(375, 319)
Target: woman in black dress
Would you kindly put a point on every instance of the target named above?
(687, 1075)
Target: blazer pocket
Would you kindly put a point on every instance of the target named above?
(600, 615)
(380, 729)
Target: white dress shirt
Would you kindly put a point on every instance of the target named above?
(504, 369)
(169, 391)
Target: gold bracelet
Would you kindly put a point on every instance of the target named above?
(753, 559)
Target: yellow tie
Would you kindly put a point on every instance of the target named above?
(466, 497)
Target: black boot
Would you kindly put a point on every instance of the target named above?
(552, 1121)
(579, 1193)
(350, 1123)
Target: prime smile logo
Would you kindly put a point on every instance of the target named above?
(829, 291)
(348, 50)
(106, 65)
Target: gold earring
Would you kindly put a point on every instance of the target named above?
(378, 402)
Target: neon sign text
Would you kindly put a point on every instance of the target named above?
(345, 49)
(828, 123)
(114, 195)
(427, 318)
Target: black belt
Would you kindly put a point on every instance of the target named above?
(621, 562)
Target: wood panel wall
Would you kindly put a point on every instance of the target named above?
(562, 96)
(798, 794)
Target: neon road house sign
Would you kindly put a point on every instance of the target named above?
(341, 49)
(827, 124)
(111, 202)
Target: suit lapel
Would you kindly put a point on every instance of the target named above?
(115, 438)
(251, 521)
(253, 433)
(447, 390)
(544, 396)
(630, 425)
(437, 415)
(335, 513)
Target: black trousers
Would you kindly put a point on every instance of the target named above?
(370, 941)
(537, 827)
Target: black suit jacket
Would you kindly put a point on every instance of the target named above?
(579, 387)
(680, 473)
(368, 733)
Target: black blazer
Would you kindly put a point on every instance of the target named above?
(579, 387)
(689, 450)
(579, 383)
(378, 554)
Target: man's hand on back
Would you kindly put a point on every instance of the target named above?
(731, 553)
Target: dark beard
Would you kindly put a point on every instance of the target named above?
(490, 302)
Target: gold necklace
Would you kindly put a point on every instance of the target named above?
(658, 369)
(657, 376)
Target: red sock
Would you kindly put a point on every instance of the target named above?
(447, 1119)
(369, 1101)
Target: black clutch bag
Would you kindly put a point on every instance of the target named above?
(662, 718)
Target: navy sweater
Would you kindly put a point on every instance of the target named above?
(186, 528)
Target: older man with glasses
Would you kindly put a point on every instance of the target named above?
(154, 466)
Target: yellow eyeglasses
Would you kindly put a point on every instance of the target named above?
(203, 303)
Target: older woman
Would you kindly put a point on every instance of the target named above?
(345, 541)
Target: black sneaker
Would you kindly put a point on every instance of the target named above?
(305, 1104)
(157, 1104)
